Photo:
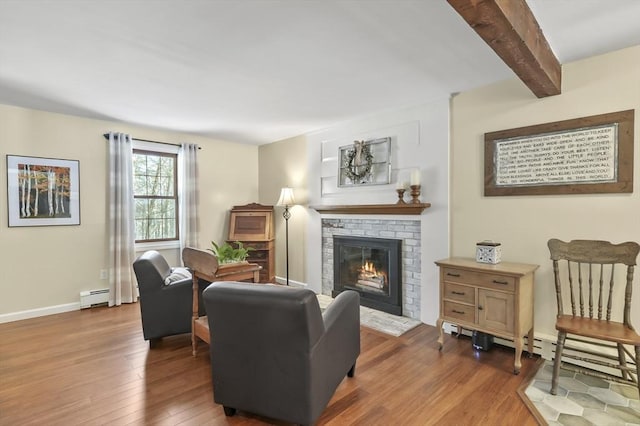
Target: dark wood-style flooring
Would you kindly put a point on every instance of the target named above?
(93, 367)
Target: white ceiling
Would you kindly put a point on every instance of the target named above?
(257, 71)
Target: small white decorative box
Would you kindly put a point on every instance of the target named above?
(488, 252)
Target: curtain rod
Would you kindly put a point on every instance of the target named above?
(106, 136)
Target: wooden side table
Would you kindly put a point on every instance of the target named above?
(205, 266)
(494, 299)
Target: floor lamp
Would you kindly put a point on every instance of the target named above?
(286, 199)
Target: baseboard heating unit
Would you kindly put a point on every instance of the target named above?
(94, 297)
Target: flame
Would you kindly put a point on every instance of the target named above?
(368, 267)
(369, 273)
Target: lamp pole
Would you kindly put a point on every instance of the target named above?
(286, 200)
(286, 214)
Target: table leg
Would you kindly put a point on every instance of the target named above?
(519, 343)
(195, 313)
(530, 342)
(194, 339)
(441, 338)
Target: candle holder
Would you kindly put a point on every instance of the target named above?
(415, 193)
(400, 192)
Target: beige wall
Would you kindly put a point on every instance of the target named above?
(49, 266)
(523, 224)
(283, 164)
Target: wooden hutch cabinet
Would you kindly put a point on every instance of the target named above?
(253, 226)
(495, 299)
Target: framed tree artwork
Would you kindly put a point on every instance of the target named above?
(42, 191)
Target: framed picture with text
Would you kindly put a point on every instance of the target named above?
(42, 191)
(587, 155)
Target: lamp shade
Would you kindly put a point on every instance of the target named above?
(286, 197)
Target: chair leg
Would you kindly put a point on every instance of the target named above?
(638, 368)
(622, 360)
(352, 371)
(556, 362)
(228, 411)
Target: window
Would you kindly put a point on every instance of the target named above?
(155, 192)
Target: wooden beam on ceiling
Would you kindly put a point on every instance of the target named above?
(511, 30)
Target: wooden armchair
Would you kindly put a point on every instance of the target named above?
(586, 272)
(204, 266)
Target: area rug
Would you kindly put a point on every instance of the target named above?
(378, 320)
(581, 400)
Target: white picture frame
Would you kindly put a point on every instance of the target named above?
(379, 167)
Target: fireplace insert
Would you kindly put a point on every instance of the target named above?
(372, 267)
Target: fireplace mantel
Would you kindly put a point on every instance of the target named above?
(405, 209)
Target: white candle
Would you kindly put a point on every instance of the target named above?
(415, 177)
(401, 185)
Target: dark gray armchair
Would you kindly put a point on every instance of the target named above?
(165, 309)
(274, 353)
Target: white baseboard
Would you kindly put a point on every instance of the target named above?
(283, 280)
(39, 312)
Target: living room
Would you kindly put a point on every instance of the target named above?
(442, 137)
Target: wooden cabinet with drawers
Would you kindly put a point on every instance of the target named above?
(494, 299)
(264, 254)
(253, 226)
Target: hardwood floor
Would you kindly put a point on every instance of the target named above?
(93, 367)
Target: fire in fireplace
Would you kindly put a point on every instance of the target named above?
(372, 267)
(369, 278)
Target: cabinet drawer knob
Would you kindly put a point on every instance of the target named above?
(501, 282)
(480, 308)
(452, 275)
(457, 312)
(459, 293)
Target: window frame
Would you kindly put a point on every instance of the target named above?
(158, 150)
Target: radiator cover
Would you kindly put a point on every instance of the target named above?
(94, 297)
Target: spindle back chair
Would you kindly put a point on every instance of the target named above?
(588, 277)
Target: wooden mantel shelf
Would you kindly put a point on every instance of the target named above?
(406, 209)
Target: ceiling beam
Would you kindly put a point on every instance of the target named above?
(511, 30)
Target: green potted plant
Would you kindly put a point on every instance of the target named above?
(227, 253)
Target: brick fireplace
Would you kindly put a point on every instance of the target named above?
(407, 234)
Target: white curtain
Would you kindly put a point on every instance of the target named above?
(122, 283)
(188, 195)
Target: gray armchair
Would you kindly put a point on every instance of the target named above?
(274, 353)
(165, 309)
